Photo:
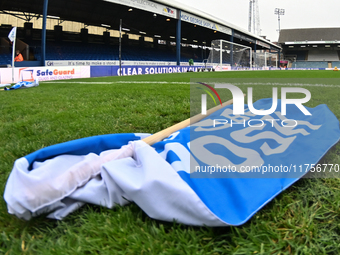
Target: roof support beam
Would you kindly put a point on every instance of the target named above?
(28, 16)
(43, 34)
(178, 39)
(232, 50)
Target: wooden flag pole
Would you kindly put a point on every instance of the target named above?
(157, 137)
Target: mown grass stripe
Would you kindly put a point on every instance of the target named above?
(187, 83)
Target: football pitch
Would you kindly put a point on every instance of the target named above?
(304, 219)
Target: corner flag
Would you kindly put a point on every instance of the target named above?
(12, 36)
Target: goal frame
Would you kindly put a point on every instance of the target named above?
(266, 56)
(237, 44)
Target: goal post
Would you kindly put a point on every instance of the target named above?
(265, 59)
(273, 60)
(224, 55)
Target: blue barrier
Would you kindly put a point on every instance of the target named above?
(27, 63)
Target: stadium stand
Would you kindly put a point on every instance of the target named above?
(298, 55)
(323, 55)
(71, 46)
(336, 63)
(145, 26)
(311, 47)
(5, 59)
(310, 64)
(92, 51)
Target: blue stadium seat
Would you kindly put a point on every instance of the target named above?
(92, 51)
(310, 64)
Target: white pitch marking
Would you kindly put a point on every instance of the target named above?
(115, 82)
(165, 82)
(289, 84)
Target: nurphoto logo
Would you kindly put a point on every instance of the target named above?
(238, 104)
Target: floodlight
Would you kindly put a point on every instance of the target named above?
(279, 12)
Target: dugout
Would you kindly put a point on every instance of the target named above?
(311, 47)
(183, 30)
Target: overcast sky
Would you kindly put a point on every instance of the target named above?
(298, 13)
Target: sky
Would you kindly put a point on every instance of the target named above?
(298, 13)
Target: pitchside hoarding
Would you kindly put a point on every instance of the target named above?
(50, 73)
(109, 63)
(44, 73)
(99, 71)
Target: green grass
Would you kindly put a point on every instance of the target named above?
(302, 220)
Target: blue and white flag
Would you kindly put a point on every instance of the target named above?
(207, 174)
(23, 85)
(12, 35)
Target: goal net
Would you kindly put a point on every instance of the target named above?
(224, 55)
(265, 59)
